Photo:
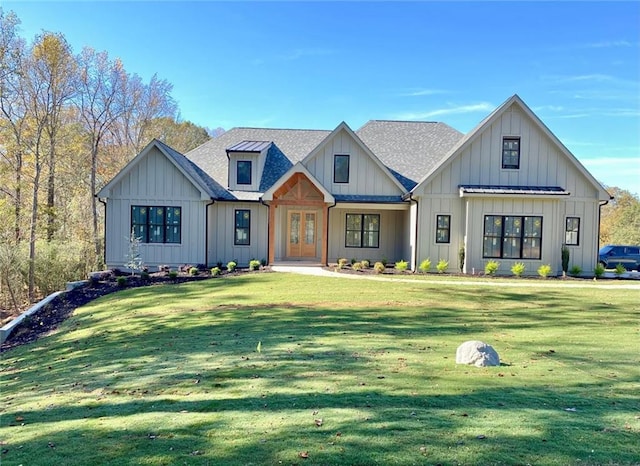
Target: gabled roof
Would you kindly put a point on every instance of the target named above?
(298, 168)
(409, 148)
(487, 122)
(292, 145)
(208, 187)
(345, 127)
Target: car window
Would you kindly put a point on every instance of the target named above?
(634, 250)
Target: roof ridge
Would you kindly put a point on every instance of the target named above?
(277, 129)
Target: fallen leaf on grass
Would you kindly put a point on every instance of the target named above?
(19, 418)
(481, 437)
(304, 454)
(318, 422)
(573, 410)
(196, 453)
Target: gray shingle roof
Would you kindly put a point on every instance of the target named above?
(292, 146)
(409, 148)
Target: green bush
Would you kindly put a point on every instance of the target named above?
(173, 274)
(353, 260)
(215, 271)
(342, 262)
(193, 271)
(544, 270)
(598, 271)
(365, 263)
(565, 258)
(145, 275)
(254, 265)
(491, 267)
(356, 266)
(401, 266)
(518, 269)
(575, 270)
(425, 266)
(121, 281)
(379, 267)
(231, 266)
(620, 269)
(442, 266)
(461, 256)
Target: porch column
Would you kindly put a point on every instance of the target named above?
(271, 232)
(325, 241)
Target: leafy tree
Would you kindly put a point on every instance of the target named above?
(620, 218)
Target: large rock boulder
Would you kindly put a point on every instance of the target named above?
(477, 353)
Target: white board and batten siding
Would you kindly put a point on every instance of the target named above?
(479, 162)
(365, 175)
(222, 233)
(155, 181)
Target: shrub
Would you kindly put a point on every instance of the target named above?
(219, 265)
(491, 267)
(254, 265)
(620, 269)
(384, 261)
(193, 271)
(231, 266)
(263, 262)
(442, 266)
(425, 266)
(356, 266)
(565, 259)
(365, 263)
(544, 270)
(353, 260)
(518, 269)
(122, 281)
(215, 271)
(461, 256)
(342, 262)
(401, 265)
(575, 270)
(378, 267)
(145, 275)
(173, 274)
(598, 271)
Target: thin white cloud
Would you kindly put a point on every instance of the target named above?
(424, 92)
(610, 44)
(599, 112)
(452, 110)
(293, 55)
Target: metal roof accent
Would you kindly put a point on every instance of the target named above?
(514, 190)
(249, 146)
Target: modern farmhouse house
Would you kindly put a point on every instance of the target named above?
(509, 190)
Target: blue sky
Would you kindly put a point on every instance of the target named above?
(314, 64)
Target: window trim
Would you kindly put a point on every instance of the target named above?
(446, 229)
(521, 237)
(335, 166)
(236, 227)
(145, 238)
(511, 166)
(362, 231)
(577, 231)
(238, 182)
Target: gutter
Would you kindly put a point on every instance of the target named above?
(414, 254)
(206, 232)
(268, 229)
(104, 234)
(326, 230)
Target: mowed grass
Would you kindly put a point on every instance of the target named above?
(290, 369)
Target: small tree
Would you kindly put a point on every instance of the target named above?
(565, 259)
(461, 256)
(133, 257)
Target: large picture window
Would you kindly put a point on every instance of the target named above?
(443, 228)
(512, 237)
(340, 168)
(363, 231)
(156, 224)
(511, 152)
(572, 231)
(243, 172)
(242, 235)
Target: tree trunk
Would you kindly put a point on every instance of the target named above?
(94, 202)
(32, 231)
(51, 183)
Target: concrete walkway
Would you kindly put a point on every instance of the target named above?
(322, 272)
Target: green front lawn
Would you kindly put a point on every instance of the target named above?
(289, 369)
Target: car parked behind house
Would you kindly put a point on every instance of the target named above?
(612, 254)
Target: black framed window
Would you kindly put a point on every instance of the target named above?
(156, 224)
(243, 172)
(242, 235)
(572, 231)
(512, 237)
(340, 168)
(510, 152)
(363, 231)
(443, 228)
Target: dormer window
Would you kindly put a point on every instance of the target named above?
(340, 168)
(243, 172)
(511, 152)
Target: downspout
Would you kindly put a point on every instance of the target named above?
(104, 234)
(601, 204)
(206, 232)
